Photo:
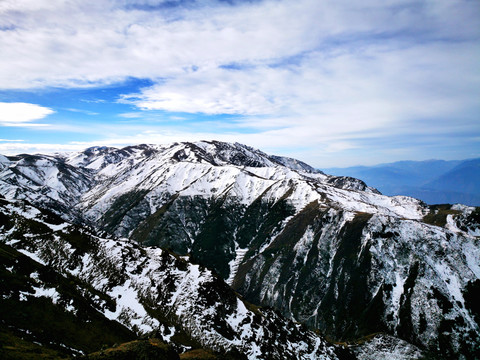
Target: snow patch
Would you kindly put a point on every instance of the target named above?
(129, 310)
(235, 263)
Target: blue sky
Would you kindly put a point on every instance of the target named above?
(333, 83)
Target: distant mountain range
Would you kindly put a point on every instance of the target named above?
(432, 181)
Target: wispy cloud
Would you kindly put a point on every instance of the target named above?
(93, 101)
(131, 115)
(82, 111)
(42, 148)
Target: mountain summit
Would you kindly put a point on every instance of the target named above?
(326, 251)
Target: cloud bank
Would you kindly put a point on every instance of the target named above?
(328, 76)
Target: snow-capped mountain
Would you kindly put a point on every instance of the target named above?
(128, 290)
(327, 251)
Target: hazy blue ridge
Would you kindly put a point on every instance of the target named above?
(432, 181)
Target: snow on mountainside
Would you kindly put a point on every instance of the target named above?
(45, 180)
(90, 181)
(219, 169)
(144, 289)
(327, 251)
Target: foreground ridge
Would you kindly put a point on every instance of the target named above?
(146, 290)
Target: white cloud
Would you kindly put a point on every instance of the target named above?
(63, 43)
(22, 114)
(379, 91)
(213, 91)
(88, 50)
(323, 75)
